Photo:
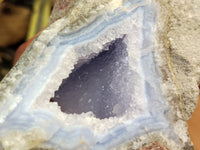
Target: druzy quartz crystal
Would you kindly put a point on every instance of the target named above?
(94, 79)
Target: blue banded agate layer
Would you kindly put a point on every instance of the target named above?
(95, 87)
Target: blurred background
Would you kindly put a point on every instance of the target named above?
(20, 20)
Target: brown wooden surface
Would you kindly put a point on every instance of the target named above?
(14, 22)
(194, 127)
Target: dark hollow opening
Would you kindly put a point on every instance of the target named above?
(100, 86)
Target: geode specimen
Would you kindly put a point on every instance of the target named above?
(104, 76)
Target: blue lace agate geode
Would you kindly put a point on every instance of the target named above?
(101, 77)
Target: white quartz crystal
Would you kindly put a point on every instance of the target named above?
(105, 76)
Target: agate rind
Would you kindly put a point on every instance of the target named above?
(27, 89)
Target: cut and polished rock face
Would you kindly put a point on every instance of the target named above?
(94, 80)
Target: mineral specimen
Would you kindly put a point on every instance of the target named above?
(97, 78)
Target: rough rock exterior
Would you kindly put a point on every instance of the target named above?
(165, 75)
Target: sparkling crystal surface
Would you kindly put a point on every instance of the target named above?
(96, 85)
(101, 76)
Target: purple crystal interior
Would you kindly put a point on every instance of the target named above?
(100, 86)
